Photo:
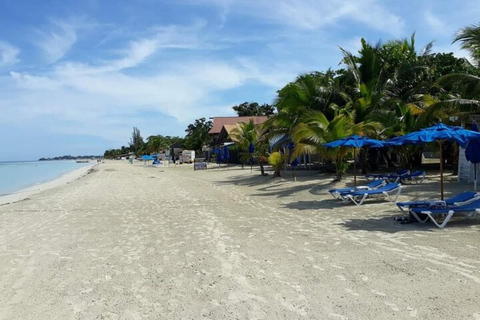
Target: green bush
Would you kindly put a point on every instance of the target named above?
(277, 161)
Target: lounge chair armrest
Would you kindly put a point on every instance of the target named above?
(363, 188)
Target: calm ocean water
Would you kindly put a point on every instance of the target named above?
(18, 175)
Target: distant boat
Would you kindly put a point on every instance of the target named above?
(82, 161)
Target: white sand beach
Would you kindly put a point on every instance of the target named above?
(134, 242)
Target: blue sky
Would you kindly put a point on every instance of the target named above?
(76, 76)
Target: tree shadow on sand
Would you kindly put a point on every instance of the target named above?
(314, 204)
(280, 187)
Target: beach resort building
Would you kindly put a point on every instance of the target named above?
(222, 126)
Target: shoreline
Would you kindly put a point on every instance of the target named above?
(63, 179)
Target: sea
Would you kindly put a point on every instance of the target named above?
(19, 175)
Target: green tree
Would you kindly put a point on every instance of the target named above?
(156, 144)
(247, 134)
(470, 40)
(136, 141)
(247, 109)
(197, 134)
(315, 129)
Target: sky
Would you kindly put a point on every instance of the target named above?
(77, 76)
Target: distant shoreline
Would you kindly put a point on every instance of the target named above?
(63, 179)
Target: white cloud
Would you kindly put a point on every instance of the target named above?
(105, 98)
(313, 14)
(8, 54)
(56, 42)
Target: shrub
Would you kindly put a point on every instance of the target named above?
(277, 161)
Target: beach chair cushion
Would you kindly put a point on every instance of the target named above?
(386, 188)
(359, 196)
(371, 185)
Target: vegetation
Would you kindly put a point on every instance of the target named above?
(251, 142)
(247, 109)
(69, 157)
(197, 134)
(277, 161)
(383, 90)
(136, 142)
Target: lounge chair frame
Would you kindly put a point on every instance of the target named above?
(390, 195)
(446, 216)
(417, 179)
(337, 194)
(392, 177)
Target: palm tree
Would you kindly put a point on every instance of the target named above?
(470, 39)
(247, 135)
(315, 129)
(156, 144)
(314, 91)
(465, 87)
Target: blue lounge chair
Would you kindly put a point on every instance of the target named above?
(371, 185)
(359, 196)
(456, 200)
(469, 210)
(416, 177)
(392, 177)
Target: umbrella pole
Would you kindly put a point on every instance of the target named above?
(441, 169)
(475, 176)
(354, 170)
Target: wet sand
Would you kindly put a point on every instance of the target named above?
(134, 242)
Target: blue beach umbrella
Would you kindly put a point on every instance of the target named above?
(251, 148)
(438, 132)
(472, 153)
(147, 157)
(355, 141)
(293, 163)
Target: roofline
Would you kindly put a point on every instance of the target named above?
(237, 117)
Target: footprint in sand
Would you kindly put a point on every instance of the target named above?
(353, 293)
(413, 312)
(317, 267)
(431, 270)
(392, 305)
(338, 267)
(310, 258)
(378, 293)
(341, 278)
(364, 278)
